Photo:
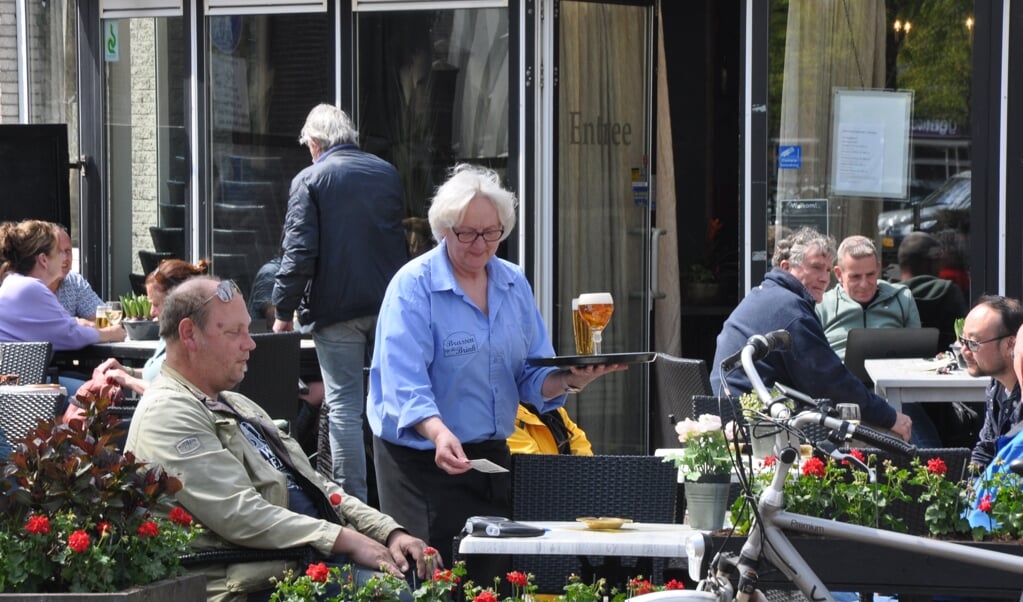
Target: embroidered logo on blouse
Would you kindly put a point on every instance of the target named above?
(188, 445)
(460, 343)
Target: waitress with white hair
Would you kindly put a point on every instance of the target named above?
(449, 367)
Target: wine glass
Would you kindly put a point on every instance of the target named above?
(114, 312)
(596, 310)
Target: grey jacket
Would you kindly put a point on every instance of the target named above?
(229, 487)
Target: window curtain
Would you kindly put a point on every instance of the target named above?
(667, 311)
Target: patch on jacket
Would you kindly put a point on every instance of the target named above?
(188, 445)
(460, 343)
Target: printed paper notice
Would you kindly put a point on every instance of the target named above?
(859, 161)
(484, 465)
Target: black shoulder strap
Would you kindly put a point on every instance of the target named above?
(554, 423)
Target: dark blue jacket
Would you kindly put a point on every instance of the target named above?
(343, 238)
(1004, 411)
(810, 366)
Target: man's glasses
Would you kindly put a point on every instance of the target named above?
(974, 346)
(470, 236)
(225, 292)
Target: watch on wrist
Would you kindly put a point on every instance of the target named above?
(569, 387)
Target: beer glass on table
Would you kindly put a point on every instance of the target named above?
(101, 316)
(114, 313)
(596, 309)
(581, 330)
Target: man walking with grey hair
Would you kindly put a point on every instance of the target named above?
(785, 301)
(343, 241)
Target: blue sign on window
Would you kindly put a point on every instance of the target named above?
(790, 157)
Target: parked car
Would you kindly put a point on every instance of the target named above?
(948, 207)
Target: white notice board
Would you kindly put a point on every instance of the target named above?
(870, 143)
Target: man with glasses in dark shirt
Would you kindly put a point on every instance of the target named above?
(989, 334)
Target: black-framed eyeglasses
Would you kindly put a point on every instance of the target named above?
(225, 292)
(974, 346)
(470, 236)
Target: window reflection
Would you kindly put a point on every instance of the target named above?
(266, 73)
(816, 48)
(147, 145)
(433, 90)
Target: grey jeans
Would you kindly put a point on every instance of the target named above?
(342, 350)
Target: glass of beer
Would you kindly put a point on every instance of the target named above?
(596, 309)
(101, 316)
(114, 312)
(581, 330)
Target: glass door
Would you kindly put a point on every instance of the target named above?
(144, 64)
(602, 202)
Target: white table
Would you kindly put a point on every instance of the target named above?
(917, 381)
(658, 540)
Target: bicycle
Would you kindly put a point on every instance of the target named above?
(729, 577)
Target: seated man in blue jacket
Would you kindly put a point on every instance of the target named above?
(785, 301)
(1008, 447)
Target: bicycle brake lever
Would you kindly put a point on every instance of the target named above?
(831, 450)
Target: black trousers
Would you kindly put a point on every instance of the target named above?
(433, 505)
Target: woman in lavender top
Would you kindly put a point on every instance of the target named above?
(30, 311)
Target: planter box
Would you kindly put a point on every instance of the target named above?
(178, 589)
(852, 566)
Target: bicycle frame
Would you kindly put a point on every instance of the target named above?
(767, 540)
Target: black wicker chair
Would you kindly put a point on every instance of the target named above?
(301, 555)
(20, 412)
(557, 487)
(272, 376)
(30, 361)
(678, 380)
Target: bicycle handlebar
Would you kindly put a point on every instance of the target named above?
(883, 441)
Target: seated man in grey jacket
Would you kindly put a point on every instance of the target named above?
(249, 484)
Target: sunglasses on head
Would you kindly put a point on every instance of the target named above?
(225, 292)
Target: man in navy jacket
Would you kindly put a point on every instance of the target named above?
(785, 301)
(343, 241)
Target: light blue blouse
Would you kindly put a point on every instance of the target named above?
(437, 354)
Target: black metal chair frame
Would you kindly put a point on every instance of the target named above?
(678, 380)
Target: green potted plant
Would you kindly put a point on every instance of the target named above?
(138, 322)
(75, 513)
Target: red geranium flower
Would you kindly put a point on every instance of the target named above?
(446, 576)
(487, 596)
(318, 572)
(640, 586)
(38, 525)
(148, 529)
(178, 516)
(103, 528)
(517, 578)
(674, 584)
(770, 461)
(335, 499)
(814, 467)
(985, 503)
(937, 466)
(78, 541)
